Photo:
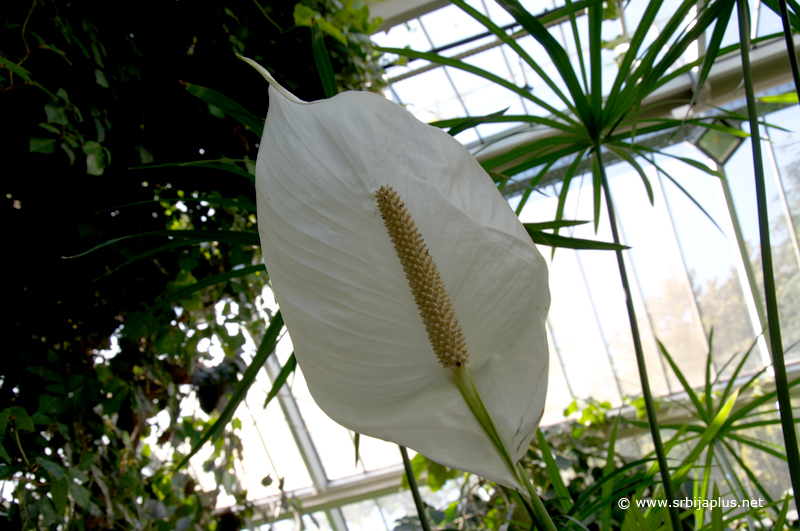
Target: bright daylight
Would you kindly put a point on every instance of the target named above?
(401, 265)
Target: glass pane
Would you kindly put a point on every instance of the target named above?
(450, 24)
(559, 395)
(333, 442)
(740, 173)
(365, 516)
(659, 271)
(426, 104)
(375, 453)
(602, 276)
(787, 165)
(707, 252)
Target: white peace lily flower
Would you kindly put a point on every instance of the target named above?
(414, 297)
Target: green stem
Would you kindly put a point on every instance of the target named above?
(778, 363)
(19, 445)
(466, 385)
(543, 520)
(412, 485)
(787, 32)
(655, 432)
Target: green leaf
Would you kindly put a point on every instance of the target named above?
(642, 29)
(21, 419)
(153, 251)
(634, 517)
(42, 145)
(220, 164)
(708, 435)
(58, 483)
(264, 350)
(446, 61)
(712, 49)
(4, 456)
(703, 492)
(228, 106)
(576, 34)
(514, 45)
(323, 62)
(206, 282)
(701, 412)
(286, 370)
(553, 473)
(789, 97)
(218, 201)
(686, 193)
(556, 53)
(793, 13)
(97, 475)
(460, 124)
(227, 236)
(621, 153)
(553, 225)
(597, 187)
(562, 197)
(13, 67)
(716, 513)
(97, 157)
(582, 505)
(531, 186)
(781, 521)
(709, 15)
(757, 402)
(80, 494)
(608, 487)
(750, 474)
(691, 162)
(573, 143)
(50, 404)
(49, 516)
(596, 62)
(438, 476)
(767, 448)
(356, 442)
(565, 242)
(708, 391)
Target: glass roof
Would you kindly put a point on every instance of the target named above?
(591, 354)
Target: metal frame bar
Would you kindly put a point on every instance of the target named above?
(308, 452)
(752, 294)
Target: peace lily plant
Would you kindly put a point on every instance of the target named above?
(415, 299)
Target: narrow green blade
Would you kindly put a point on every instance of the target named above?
(286, 371)
(227, 105)
(564, 498)
(323, 62)
(706, 439)
(266, 347)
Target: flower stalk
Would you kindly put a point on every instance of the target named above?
(412, 485)
(773, 320)
(652, 420)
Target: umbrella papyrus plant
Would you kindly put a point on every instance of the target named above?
(414, 297)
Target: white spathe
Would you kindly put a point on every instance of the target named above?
(356, 330)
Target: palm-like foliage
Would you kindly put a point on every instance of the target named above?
(589, 125)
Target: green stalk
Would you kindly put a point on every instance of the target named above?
(412, 485)
(655, 432)
(543, 521)
(778, 363)
(787, 32)
(466, 385)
